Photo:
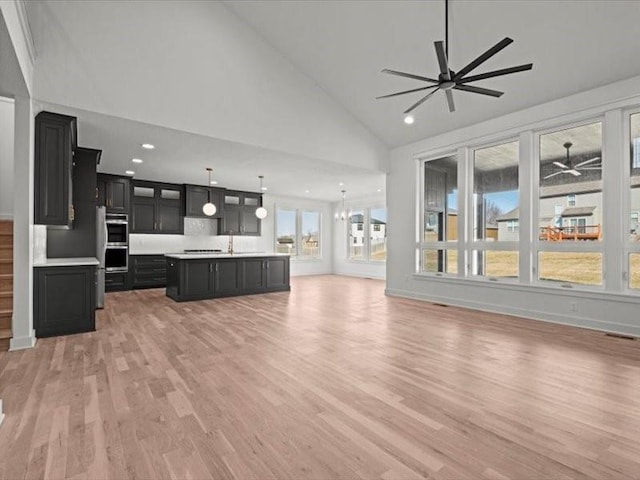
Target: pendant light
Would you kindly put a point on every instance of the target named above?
(261, 212)
(209, 208)
(342, 216)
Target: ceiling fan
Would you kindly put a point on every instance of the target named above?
(449, 80)
(574, 170)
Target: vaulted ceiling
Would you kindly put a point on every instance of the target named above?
(299, 78)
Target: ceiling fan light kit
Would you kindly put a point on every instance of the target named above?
(449, 80)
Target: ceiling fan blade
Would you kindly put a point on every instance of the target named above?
(421, 101)
(495, 73)
(452, 107)
(406, 91)
(561, 165)
(588, 168)
(573, 172)
(483, 91)
(410, 75)
(442, 60)
(586, 162)
(484, 57)
(554, 174)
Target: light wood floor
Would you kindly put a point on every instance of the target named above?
(332, 380)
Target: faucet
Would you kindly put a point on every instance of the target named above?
(230, 247)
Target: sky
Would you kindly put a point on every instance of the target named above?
(506, 201)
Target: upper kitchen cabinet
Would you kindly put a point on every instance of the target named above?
(196, 196)
(113, 193)
(156, 207)
(239, 217)
(55, 143)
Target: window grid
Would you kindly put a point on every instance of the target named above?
(367, 234)
(303, 236)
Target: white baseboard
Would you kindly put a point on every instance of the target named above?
(22, 343)
(562, 319)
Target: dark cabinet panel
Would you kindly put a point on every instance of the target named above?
(253, 274)
(143, 216)
(232, 219)
(64, 300)
(197, 279)
(116, 281)
(197, 196)
(113, 193)
(156, 208)
(55, 142)
(148, 271)
(250, 223)
(277, 272)
(227, 277)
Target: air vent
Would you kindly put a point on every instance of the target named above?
(617, 335)
(440, 305)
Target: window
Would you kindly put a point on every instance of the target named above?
(496, 211)
(570, 166)
(298, 232)
(440, 215)
(286, 231)
(634, 217)
(374, 245)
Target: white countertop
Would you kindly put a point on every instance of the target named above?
(66, 262)
(187, 256)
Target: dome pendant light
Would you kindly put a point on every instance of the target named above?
(343, 213)
(209, 209)
(261, 212)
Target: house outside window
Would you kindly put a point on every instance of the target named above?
(571, 200)
(373, 246)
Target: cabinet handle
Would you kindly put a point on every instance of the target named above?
(266, 262)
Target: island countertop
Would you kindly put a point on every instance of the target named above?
(194, 256)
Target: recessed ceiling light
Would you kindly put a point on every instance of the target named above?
(379, 190)
(214, 182)
(340, 184)
(263, 188)
(306, 191)
(148, 146)
(130, 172)
(136, 160)
(408, 119)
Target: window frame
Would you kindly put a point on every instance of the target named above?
(299, 234)
(366, 234)
(629, 247)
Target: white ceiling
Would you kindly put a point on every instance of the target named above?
(574, 46)
(181, 157)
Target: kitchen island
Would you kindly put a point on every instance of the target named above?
(212, 275)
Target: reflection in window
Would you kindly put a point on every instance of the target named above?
(495, 193)
(286, 231)
(378, 234)
(441, 200)
(571, 267)
(570, 205)
(356, 234)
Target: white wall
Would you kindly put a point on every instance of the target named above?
(342, 265)
(199, 234)
(6, 158)
(192, 66)
(600, 310)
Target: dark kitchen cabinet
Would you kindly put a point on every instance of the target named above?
(195, 198)
(156, 208)
(239, 217)
(64, 300)
(79, 241)
(113, 193)
(253, 274)
(204, 278)
(55, 144)
(116, 281)
(148, 271)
